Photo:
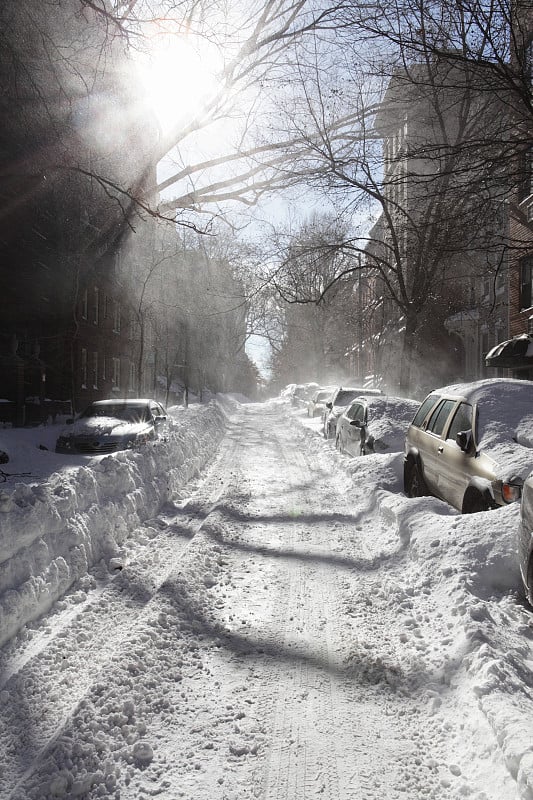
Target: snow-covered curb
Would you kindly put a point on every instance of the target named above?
(52, 532)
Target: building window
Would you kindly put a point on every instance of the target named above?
(85, 304)
(95, 370)
(96, 309)
(83, 368)
(526, 272)
(116, 318)
(115, 380)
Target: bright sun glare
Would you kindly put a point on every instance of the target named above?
(179, 76)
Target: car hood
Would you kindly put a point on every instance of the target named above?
(104, 426)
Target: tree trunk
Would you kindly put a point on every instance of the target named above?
(408, 352)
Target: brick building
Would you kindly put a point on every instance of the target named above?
(65, 328)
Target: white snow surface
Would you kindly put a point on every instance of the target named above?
(242, 612)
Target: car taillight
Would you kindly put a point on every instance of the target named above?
(510, 492)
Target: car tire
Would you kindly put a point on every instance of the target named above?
(475, 501)
(416, 485)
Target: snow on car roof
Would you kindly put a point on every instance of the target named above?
(505, 423)
(502, 402)
(129, 401)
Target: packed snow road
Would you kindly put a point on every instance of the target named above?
(271, 636)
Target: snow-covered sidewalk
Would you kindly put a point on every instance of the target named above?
(287, 625)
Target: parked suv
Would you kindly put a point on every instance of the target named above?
(471, 445)
(338, 403)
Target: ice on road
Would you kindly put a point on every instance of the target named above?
(278, 633)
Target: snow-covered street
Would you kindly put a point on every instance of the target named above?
(287, 626)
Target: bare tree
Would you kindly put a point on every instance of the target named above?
(434, 84)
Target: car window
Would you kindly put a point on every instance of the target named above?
(438, 418)
(344, 397)
(355, 411)
(462, 420)
(420, 415)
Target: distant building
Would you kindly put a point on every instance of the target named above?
(521, 214)
(452, 283)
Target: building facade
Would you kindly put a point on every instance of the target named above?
(439, 272)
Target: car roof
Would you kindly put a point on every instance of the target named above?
(488, 387)
(382, 403)
(360, 390)
(128, 401)
(505, 407)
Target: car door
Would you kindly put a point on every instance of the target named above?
(455, 465)
(352, 433)
(431, 443)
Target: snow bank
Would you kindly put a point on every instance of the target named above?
(460, 575)
(54, 530)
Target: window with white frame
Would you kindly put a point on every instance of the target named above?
(85, 304)
(115, 379)
(95, 370)
(96, 306)
(83, 364)
(526, 276)
(116, 317)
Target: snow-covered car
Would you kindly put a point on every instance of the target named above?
(110, 425)
(302, 392)
(317, 404)
(338, 403)
(374, 425)
(472, 444)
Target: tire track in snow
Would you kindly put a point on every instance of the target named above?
(301, 692)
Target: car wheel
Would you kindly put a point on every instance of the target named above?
(474, 502)
(416, 485)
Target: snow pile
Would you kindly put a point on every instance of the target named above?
(54, 530)
(460, 582)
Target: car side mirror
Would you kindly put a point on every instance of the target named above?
(464, 440)
(357, 423)
(329, 405)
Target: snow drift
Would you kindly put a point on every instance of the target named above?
(53, 531)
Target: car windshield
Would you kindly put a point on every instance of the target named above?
(344, 397)
(127, 413)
